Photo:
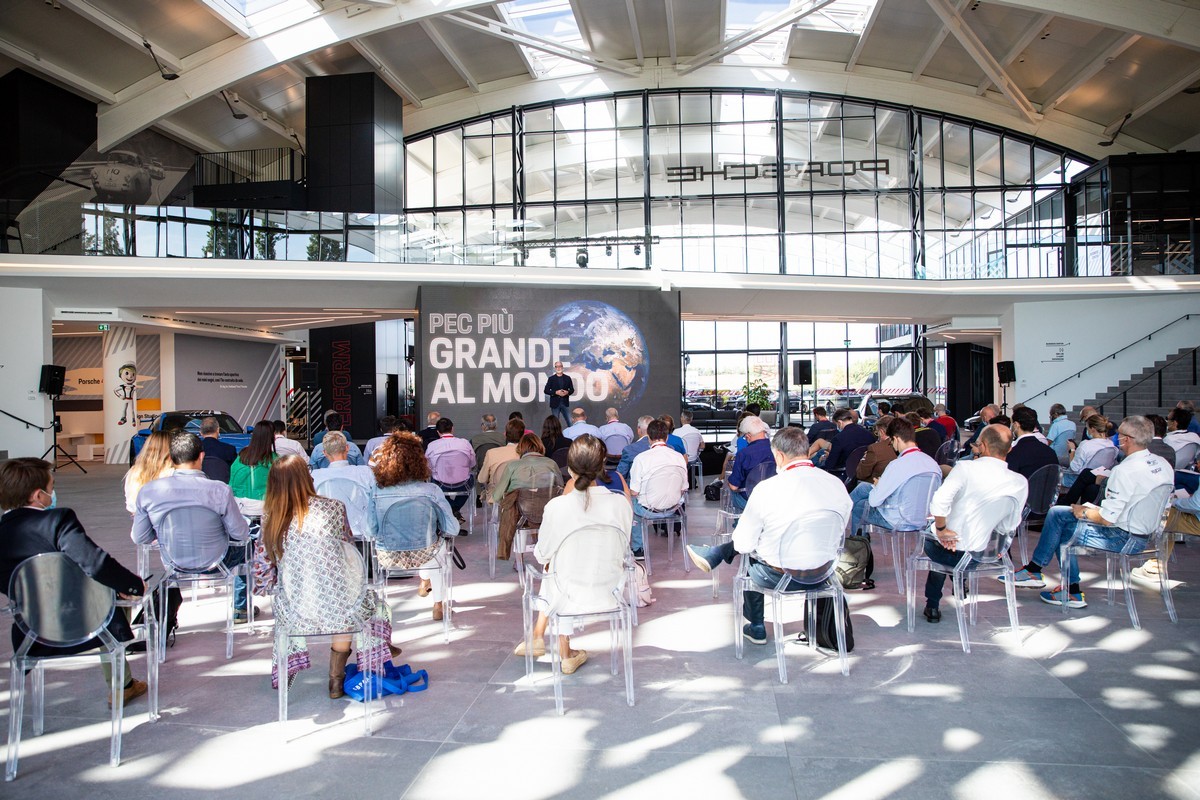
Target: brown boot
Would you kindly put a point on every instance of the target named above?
(437, 611)
(337, 672)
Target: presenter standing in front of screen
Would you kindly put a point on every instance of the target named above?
(559, 388)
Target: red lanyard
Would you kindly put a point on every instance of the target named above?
(658, 444)
(910, 450)
(796, 464)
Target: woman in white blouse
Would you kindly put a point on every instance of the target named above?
(1085, 453)
(588, 504)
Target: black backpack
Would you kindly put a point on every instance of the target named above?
(712, 492)
(827, 624)
(856, 564)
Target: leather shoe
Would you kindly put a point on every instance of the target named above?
(933, 614)
(133, 690)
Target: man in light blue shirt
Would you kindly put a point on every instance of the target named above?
(580, 426)
(898, 502)
(360, 506)
(319, 460)
(189, 487)
(1062, 430)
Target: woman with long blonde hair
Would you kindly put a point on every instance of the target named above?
(153, 462)
(302, 543)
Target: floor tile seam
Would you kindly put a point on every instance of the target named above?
(463, 715)
(1091, 704)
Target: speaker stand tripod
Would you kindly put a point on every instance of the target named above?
(57, 449)
(1004, 399)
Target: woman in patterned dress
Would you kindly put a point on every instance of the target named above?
(319, 587)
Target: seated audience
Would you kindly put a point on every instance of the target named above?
(1061, 433)
(189, 486)
(563, 516)
(218, 456)
(636, 447)
(1108, 526)
(248, 478)
(986, 415)
(1157, 446)
(926, 438)
(318, 460)
(580, 425)
(497, 457)
(756, 452)
(552, 438)
(894, 502)
(430, 433)
(1089, 453)
(876, 458)
(658, 481)
(775, 506)
(283, 445)
(488, 437)
(402, 473)
(1028, 454)
(531, 468)
(1185, 443)
(387, 426)
(450, 463)
(673, 441)
(693, 440)
(153, 462)
(301, 541)
(32, 524)
(959, 507)
(850, 437)
(614, 433)
(948, 423)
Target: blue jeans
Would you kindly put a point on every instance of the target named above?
(1061, 524)
(859, 497)
(456, 503)
(768, 577)
(640, 515)
(563, 413)
(739, 500)
(235, 556)
(936, 581)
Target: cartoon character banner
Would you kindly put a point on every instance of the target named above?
(494, 349)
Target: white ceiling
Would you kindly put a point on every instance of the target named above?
(1068, 70)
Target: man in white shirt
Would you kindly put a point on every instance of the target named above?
(658, 481)
(450, 462)
(693, 440)
(1110, 526)
(283, 445)
(797, 489)
(965, 511)
(580, 426)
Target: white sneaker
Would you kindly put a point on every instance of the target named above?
(1142, 575)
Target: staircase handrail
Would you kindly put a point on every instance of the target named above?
(1123, 395)
(1109, 357)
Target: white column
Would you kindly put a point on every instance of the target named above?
(25, 345)
(120, 392)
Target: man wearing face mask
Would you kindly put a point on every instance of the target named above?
(32, 525)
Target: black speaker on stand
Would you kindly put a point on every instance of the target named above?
(802, 376)
(1006, 372)
(53, 378)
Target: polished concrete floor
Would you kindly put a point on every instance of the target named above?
(1082, 706)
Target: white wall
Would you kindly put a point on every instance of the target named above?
(24, 348)
(1087, 331)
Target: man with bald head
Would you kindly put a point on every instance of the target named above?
(964, 508)
(986, 415)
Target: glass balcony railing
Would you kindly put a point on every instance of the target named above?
(489, 239)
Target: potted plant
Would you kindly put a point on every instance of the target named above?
(759, 392)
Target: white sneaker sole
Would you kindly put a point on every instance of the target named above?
(700, 563)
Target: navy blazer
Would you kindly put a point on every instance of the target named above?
(553, 384)
(27, 532)
(1028, 455)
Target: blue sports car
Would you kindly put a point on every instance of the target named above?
(231, 431)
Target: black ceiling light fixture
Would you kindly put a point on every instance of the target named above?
(166, 76)
(581, 257)
(1110, 142)
(236, 114)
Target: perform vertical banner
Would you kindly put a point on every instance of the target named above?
(492, 350)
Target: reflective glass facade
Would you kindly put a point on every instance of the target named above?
(740, 181)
